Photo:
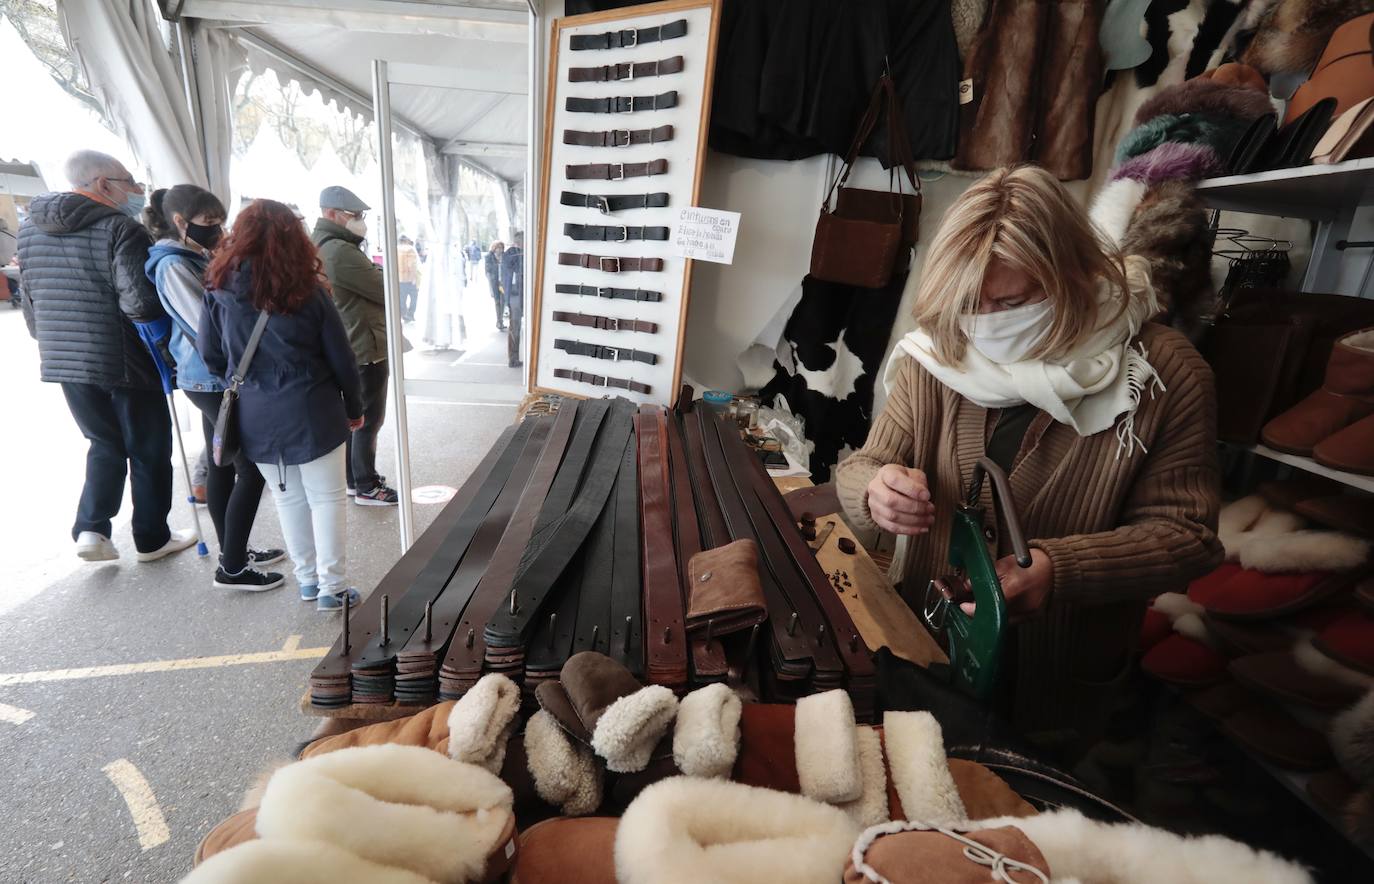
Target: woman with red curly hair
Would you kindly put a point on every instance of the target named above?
(300, 397)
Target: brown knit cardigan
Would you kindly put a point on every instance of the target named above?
(1119, 529)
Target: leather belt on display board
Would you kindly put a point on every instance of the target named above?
(628, 37)
(607, 73)
(621, 104)
(605, 323)
(610, 263)
(618, 137)
(615, 171)
(607, 203)
(605, 291)
(601, 351)
(665, 632)
(613, 233)
(596, 380)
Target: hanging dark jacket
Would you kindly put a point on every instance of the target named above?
(81, 273)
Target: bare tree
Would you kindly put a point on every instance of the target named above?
(36, 22)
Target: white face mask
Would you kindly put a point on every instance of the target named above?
(1008, 336)
(357, 227)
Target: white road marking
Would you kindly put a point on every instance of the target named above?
(284, 655)
(138, 795)
(14, 715)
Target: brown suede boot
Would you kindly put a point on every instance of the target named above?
(1352, 449)
(1346, 396)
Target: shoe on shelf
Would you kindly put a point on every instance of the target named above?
(335, 601)
(310, 592)
(93, 547)
(176, 543)
(381, 495)
(198, 494)
(249, 580)
(257, 558)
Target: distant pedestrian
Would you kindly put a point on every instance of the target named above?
(408, 268)
(492, 265)
(473, 252)
(513, 287)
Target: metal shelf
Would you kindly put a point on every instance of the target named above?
(1319, 192)
(1354, 480)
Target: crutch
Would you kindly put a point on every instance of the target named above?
(201, 549)
(152, 333)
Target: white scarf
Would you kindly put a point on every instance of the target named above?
(1096, 383)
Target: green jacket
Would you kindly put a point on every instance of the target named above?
(358, 289)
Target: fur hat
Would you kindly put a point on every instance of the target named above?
(1218, 132)
(1171, 162)
(1203, 95)
(1291, 36)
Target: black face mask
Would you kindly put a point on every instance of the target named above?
(207, 236)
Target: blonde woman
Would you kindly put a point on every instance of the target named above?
(1033, 346)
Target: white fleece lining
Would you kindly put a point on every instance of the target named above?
(1272, 524)
(706, 733)
(402, 806)
(299, 862)
(1175, 604)
(1360, 340)
(870, 808)
(1317, 663)
(1237, 518)
(480, 724)
(685, 830)
(826, 742)
(1300, 551)
(1129, 853)
(1192, 626)
(920, 770)
(628, 730)
(1013, 870)
(565, 774)
(1352, 739)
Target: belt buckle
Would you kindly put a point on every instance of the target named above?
(603, 205)
(634, 38)
(604, 291)
(613, 353)
(615, 324)
(615, 138)
(630, 66)
(620, 170)
(624, 235)
(614, 261)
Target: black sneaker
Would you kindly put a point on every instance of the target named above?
(259, 557)
(248, 580)
(378, 496)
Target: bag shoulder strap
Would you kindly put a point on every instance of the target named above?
(247, 358)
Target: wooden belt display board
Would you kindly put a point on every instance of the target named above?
(688, 29)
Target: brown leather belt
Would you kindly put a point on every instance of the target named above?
(601, 351)
(613, 233)
(618, 137)
(597, 380)
(605, 323)
(629, 37)
(610, 263)
(708, 654)
(616, 171)
(665, 635)
(626, 71)
(605, 291)
(623, 104)
(608, 203)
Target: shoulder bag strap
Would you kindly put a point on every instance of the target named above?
(899, 140)
(247, 358)
(866, 124)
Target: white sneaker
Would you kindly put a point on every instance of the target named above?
(176, 543)
(93, 547)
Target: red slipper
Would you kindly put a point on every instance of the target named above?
(1349, 641)
(1154, 629)
(1251, 595)
(1183, 661)
(1204, 587)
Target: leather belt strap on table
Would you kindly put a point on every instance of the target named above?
(419, 656)
(610, 263)
(629, 37)
(551, 638)
(615, 171)
(622, 104)
(627, 611)
(607, 73)
(330, 680)
(613, 233)
(463, 661)
(665, 633)
(708, 656)
(618, 137)
(559, 498)
(601, 351)
(608, 203)
(596, 380)
(605, 323)
(605, 291)
(710, 519)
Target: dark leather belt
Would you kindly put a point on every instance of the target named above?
(627, 612)
(623, 104)
(665, 634)
(610, 233)
(625, 71)
(559, 498)
(708, 654)
(597, 380)
(610, 263)
(606, 323)
(604, 291)
(618, 137)
(606, 203)
(616, 171)
(630, 37)
(601, 351)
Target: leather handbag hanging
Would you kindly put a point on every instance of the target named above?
(225, 442)
(868, 235)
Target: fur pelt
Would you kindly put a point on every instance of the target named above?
(1214, 30)
(827, 748)
(706, 733)
(967, 16)
(870, 808)
(420, 811)
(920, 770)
(1217, 132)
(626, 733)
(1301, 551)
(1130, 853)
(1115, 205)
(297, 862)
(1206, 96)
(565, 773)
(686, 831)
(1175, 604)
(480, 724)
(1352, 739)
(1171, 162)
(1292, 34)
(1170, 231)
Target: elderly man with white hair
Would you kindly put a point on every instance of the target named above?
(95, 315)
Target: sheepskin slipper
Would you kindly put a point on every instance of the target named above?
(230, 833)
(1274, 734)
(1349, 641)
(692, 830)
(1132, 853)
(1184, 661)
(438, 818)
(827, 748)
(1237, 638)
(1353, 514)
(1301, 551)
(912, 853)
(565, 773)
(1206, 96)
(480, 724)
(1155, 628)
(1205, 586)
(283, 861)
(870, 808)
(1171, 162)
(627, 731)
(706, 733)
(568, 850)
(594, 682)
(427, 728)
(920, 770)
(1251, 595)
(1352, 739)
(1280, 675)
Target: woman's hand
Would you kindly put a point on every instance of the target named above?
(1026, 589)
(356, 425)
(899, 500)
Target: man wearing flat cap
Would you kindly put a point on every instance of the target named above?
(358, 291)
